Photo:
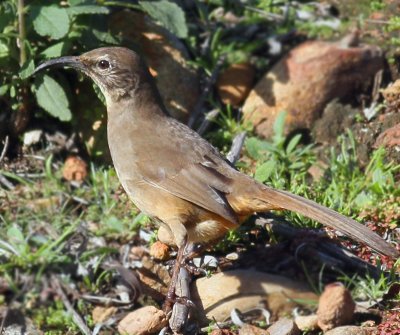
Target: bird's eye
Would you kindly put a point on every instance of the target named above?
(103, 64)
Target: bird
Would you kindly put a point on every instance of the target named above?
(173, 174)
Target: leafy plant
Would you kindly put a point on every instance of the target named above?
(43, 29)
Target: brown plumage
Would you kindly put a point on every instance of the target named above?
(173, 174)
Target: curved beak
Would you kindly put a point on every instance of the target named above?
(70, 61)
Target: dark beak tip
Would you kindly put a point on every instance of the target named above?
(70, 61)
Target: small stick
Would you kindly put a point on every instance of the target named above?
(3, 322)
(210, 116)
(4, 151)
(6, 183)
(237, 144)
(180, 312)
(75, 316)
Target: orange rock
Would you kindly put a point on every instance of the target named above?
(303, 82)
(222, 332)
(101, 314)
(392, 94)
(75, 169)
(335, 308)
(154, 278)
(307, 322)
(389, 138)
(284, 326)
(159, 251)
(247, 329)
(235, 83)
(143, 321)
(216, 296)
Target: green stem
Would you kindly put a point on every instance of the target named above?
(22, 32)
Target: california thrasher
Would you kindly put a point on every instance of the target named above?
(173, 174)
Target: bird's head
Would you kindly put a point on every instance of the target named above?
(117, 71)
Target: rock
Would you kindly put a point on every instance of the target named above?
(392, 94)
(154, 278)
(166, 56)
(143, 321)
(32, 137)
(216, 296)
(349, 330)
(247, 329)
(222, 332)
(317, 170)
(235, 83)
(307, 322)
(335, 308)
(40, 204)
(16, 323)
(159, 251)
(137, 253)
(334, 120)
(284, 327)
(75, 169)
(389, 138)
(101, 314)
(304, 81)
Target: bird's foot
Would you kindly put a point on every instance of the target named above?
(195, 270)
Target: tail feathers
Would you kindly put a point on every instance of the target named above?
(328, 217)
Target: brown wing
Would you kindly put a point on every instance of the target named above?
(188, 169)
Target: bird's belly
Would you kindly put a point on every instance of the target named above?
(201, 225)
(206, 231)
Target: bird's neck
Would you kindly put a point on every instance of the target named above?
(142, 103)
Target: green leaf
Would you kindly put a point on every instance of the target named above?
(51, 21)
(4, 51)
(77, 2)
(27, 69)
(363, 199)
(264, 171)
(88, 9)
(52, 98)
(104, 37)
(4, 89)
(279, 127)
(256, 147)
(15, 234)
(168, 14)
(55, 50)
(293, 143)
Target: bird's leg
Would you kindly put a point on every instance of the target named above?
(193, 251)
(171, 297)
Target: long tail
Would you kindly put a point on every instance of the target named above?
(329, 217)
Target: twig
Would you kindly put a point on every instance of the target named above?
(4, 151)
(180, 312)
(6, 183)
(75, 316)
(377, 84)
(237, 144)
(105, 300)
(199, 105)
(210, 116)
(3, 322)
